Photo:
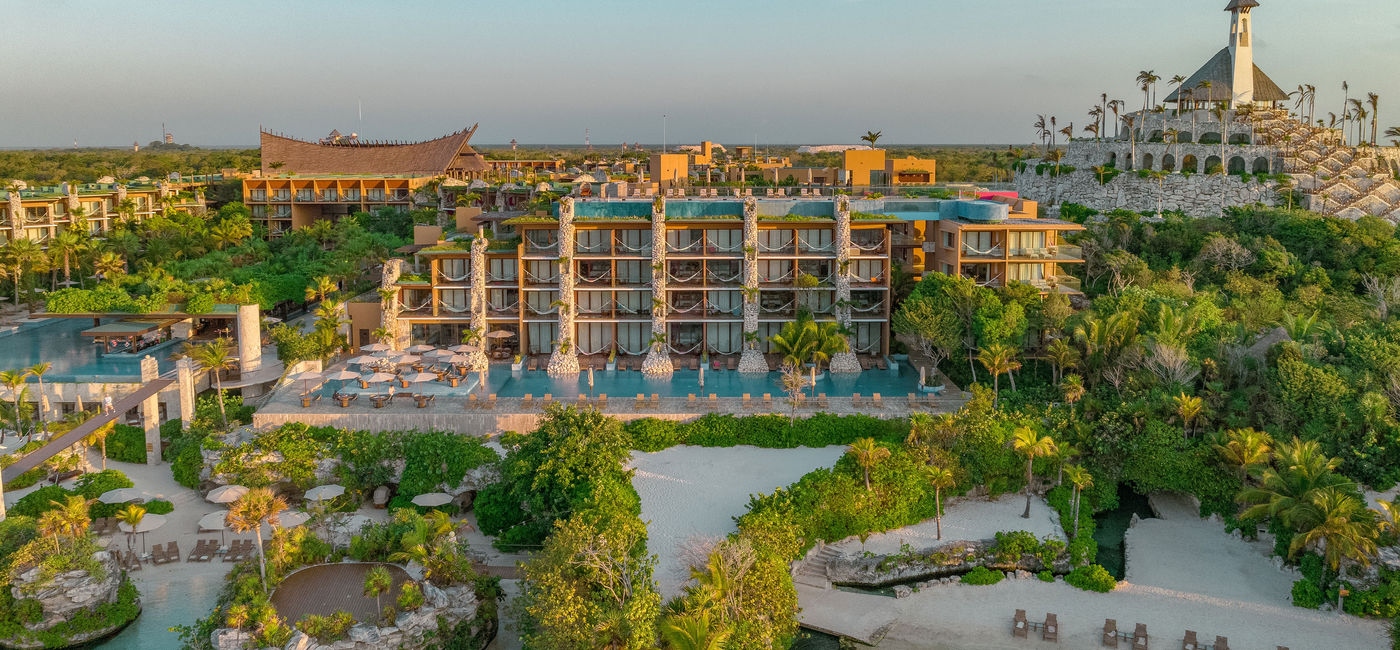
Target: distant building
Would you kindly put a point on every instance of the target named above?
(450, 155)
(282, 203)
(39, 213)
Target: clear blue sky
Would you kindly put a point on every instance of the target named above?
(802, 72)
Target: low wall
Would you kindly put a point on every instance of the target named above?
(1195, 194)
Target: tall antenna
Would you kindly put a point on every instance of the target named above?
(663, 133)
(360, 105)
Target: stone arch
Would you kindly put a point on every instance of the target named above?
(1185, 137)
(1209, 137)
(1147, 161)
(1168, 163)
(1137, 133)
(1113, 158)
(1190, 164)
(1212, 163)
(1237, 165)
(1156, 136)
(1261, 165)
(1239, 138)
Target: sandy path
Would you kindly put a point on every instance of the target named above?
(688, 491)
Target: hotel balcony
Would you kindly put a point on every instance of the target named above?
(1059, 252)
(996, 252)
(510, 310)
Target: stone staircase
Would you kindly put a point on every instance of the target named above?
(1359, 182)
(812, 572)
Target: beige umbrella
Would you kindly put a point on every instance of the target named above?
(432, 499)
(458, 359)
(226, 494)
(291, 518)
(122, 495)
(377, 378)
(419, 377)
(323, 492)
(215, 521)
(306, 378)
(364, 360)
(375, 347)
(147, 524)
(500, 334)
(420, 349)
(464, 348)
(406, 358)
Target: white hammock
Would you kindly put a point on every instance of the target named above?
(492, 277)
(768, 249)
(459, 278)
(631, 352)
(535, 279)
(542, 312)
(715, 277)
(869, 309)
(876, 246)
(995, 250)
(598, 351)
(855, 277)
(587, 250)
(785, 276)
(687, 310)
(694, 243)
(825, 310)
(775, 310)
(732, 311)
(550, 246)
(817, 249)
(694, 275)
(582, 278)
(870, 348)
(425, 303)
(506, 308)
(455, 310)
(729, 249)
(716, 350)
(633, 249)
(690, 351)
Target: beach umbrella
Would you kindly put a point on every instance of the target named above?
(342, 376)
(377, 378)
(406, 359)
(226, 494)
(420, 349)
(432, 499)
(147, 524)
(438, 354)
(306, 378)
(500, 334)
(364, 360)
(419, 377)
(375, 347)
(121, 495)
(291, 518)
(323, 492)
(463, 348)
(217, 520)
(702, 376)
(271, 319)
(458, 359)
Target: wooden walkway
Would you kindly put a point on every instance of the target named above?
(329, 588)
(57, 445)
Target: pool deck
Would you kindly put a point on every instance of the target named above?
(511, 414)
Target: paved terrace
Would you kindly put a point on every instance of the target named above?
(458, 415)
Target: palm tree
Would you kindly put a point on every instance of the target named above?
(38, 370)
(941, 479)
(377, 583)
(796, 341)
(131, 516)
(215, 357)
(1346, 101)
(51, 524)
(1286, 492)
(14, 380)
(230, 232)
(1097, 113)
(1145, 80)
(249, 513)
(1062, 357)
(1188, 408)
(64, 247)
(793, 383)
(999, 359)
(109, 266)
(868, 453)
(1115, 106)
(1246, 449)
(321, 287)
(1374, 101)
(1041, 131)
(21, 256)
(694, 631)
(1073, 388)
(73, 513)
(1177, 80)
(1080, 479)
(98, 438)
(871, 137)
(1025, 441)
(1394, 134)
(1343, 526)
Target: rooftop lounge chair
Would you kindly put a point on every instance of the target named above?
(472, 401)
(822, 402)
(1019, 628)
(856, 400)
(875, 400)
(490, 402)
(655, 401)
(1140, 637)
(1051, 631)
(546, 400)
(768, 401)
(1110, 633)
(690, 401)
(1221, 643)
(527, 402)
(713, 403)
(641, 402)
(748, 401)
(602, 401)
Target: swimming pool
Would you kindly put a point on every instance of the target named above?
(726, 383)
(75, 358)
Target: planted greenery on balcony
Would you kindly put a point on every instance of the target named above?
(529, 219)
(870, 216)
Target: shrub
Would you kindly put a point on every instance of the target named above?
(29, 610)
(91, 486)
(159, 507)
(982, 576)
(1045, 576)
(1092, 578)
(326, 629)
(127, 444)
(40, 501)
(1307, 594)
(1010, 546)
(410, 596)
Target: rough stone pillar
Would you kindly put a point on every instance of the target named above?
(249, 334)
(150, 411)
(478, 361)
(70, 197)
(843, 361)
(183, 329)
(184, 382)
(16, 213)
(564, 360)
(389, 303)
(658, 361)
(752, 359)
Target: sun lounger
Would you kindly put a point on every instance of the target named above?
(822, 402)
(546, 400)
(655, 401)
(713, 403)
(1221, 643)
(198, 551)
(582, 400)
(1051, 631)
(694, 364)
(880, 363)
(527, 402)
(1110, 633)
(748, 401)
(690, 401)
(473, 401)
(1189, 642)
(865, 363)
(1019, 628)
(490, 402)
(768, 401)
(641, 402)
(532, 365)
(158, 555)
(913, 401)
(602, 401)
(1140, 637)
(875, 400)
(856, 400)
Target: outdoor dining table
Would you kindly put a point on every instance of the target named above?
(379, 401)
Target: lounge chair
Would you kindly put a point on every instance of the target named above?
(1019, 627)
(172, 551)
(822, 402)
(880, 363)
(856, 400)
(527, 402)
(655, 401)
(875, 400)
(913, 401)
(713, 403)
(490, 402)
(197, 554)
(690, 401)
(930, 400)
(1110, 633)
(641, 402)
(472, 401)
(532, 365)
(1221, 643)
(1140, 637)
(733, 363)
(582, 400)
(1051, 631)
(768, 401)
(748, 401)
(865, 363)
(546, 400)
(1189, 641)
(602, 401)
(694, 364)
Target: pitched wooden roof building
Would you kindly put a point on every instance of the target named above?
(450, 155)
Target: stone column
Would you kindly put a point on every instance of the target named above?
(184, 381)
(150, 411)
(564, 360)
(70, 197)
(249, 335)
(752, 359)
(843, 361)
(16, 215)
(478, 361)
(658, 361)
(389, 303)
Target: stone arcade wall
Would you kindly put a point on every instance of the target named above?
(1197, 195)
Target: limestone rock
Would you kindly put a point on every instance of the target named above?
(903, 591)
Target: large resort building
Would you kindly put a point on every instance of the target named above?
(40, 213)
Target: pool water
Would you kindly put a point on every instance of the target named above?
(75, 358)
(1112, 525)
(165, 605)
(889, 383)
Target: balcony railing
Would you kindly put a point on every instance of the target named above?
(1056, 252)
(995, 251)
(596, 249)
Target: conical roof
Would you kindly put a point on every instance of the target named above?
(1220, 72)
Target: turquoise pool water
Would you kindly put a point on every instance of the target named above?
(74, 357)
(626, 384)
(163, 606)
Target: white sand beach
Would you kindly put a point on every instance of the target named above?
(697, 491)
(1183, 573)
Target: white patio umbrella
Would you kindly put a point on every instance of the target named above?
(420, 377)
(438, 354)
(458, 359)
(306, 378)
(375, 347)
(500, 334)
(378, 378)
(147, 524)
(226, 494)
(323, 492)
(463, 348)
(420, 349)
(213, 521)
(432, 499)
(291, 518)
(406, 358)
(122, 495)
(364, 360)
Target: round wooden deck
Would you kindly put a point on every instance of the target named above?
(328, 588)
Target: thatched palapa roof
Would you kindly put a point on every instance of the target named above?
(450, 155)
(1220, 71)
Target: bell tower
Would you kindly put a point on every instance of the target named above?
(1242, 51)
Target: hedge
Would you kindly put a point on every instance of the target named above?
(1092, 578)
(126, 444)
(769, 431)
(982, 576)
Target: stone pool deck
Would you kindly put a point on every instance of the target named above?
(510, 414)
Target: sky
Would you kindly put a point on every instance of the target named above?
(731, 71)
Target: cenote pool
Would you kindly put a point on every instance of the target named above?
(1111, 526)
(163, 606)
